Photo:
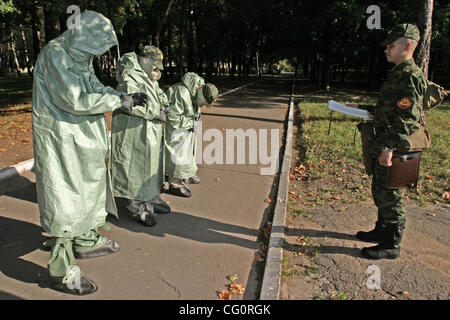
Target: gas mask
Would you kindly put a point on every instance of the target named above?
(149, 67)
(200, 100)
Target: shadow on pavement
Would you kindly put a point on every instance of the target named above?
(187, 226)
(309, 233)
(319, 234)
(241, 117)
(19, 187)
(19, 238)
(7, 296)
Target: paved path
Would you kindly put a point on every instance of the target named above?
(190, 252)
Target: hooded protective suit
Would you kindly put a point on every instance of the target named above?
(70, 131)
(137, 160)
(179, 133)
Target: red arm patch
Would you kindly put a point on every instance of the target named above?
(404, 103)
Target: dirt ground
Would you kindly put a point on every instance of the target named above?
(322, 258)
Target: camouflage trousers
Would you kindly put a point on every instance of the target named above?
(390, 202)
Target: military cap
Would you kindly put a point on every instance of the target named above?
(153, 53)
(210, 93)
(405, 30)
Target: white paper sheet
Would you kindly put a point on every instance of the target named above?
(339, 107)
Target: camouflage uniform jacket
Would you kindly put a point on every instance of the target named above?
(399, 107)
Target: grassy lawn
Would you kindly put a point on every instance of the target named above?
(338, 154)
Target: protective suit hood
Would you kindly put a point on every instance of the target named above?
(192, 81)
(94, 37)
(128, 61)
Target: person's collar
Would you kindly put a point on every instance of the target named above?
(405, 63)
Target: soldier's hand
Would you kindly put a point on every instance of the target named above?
(162, 115)
(167, 110)
(139, 99)
(129, 101)
(385, 158)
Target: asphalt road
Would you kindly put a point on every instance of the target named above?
(191, 251)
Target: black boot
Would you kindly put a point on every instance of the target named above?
(159, 205)
(375, 235)
(389, 248)
(178, 187)
(109, 247)
(84, 287)
(74, 282)
(194, 180)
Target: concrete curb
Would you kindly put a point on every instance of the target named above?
(15, 170)
(270, 288)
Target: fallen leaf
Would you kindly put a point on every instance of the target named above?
(404, 293)
(431, 214)
(217, 179)
(301, 240)
(225, 295)
(232, 277)
(429, 176)
(268, 200)
(446, 196)
(3, 149)
(25, 140)
(236, 288)
(336, 198)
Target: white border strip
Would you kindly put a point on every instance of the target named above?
(15, 170)
(270, 288)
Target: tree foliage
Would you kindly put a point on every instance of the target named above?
(326, 41)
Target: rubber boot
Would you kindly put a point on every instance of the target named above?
(65, 275)
(159, 205)
(92, 245)
(178, 187)
(142, 212)
(389, 248)
(375, 235)
(109, 247)
(194, 180)
(74, 283)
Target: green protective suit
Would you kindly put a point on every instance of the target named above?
(179, 135)
(70, 132)
(137, 159)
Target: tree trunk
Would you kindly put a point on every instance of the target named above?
(425, 27)
(13, 50)
(52, 26)
(25, 49)
(36, 31)
(180, 46)
(161, 23)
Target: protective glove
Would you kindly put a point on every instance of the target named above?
(128, 102)
(167, 110)
(197, 122)
(164, 113)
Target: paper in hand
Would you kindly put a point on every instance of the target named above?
(339, 107)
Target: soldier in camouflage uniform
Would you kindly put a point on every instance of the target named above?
(396, 116)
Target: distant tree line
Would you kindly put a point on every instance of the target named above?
(326, 41)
